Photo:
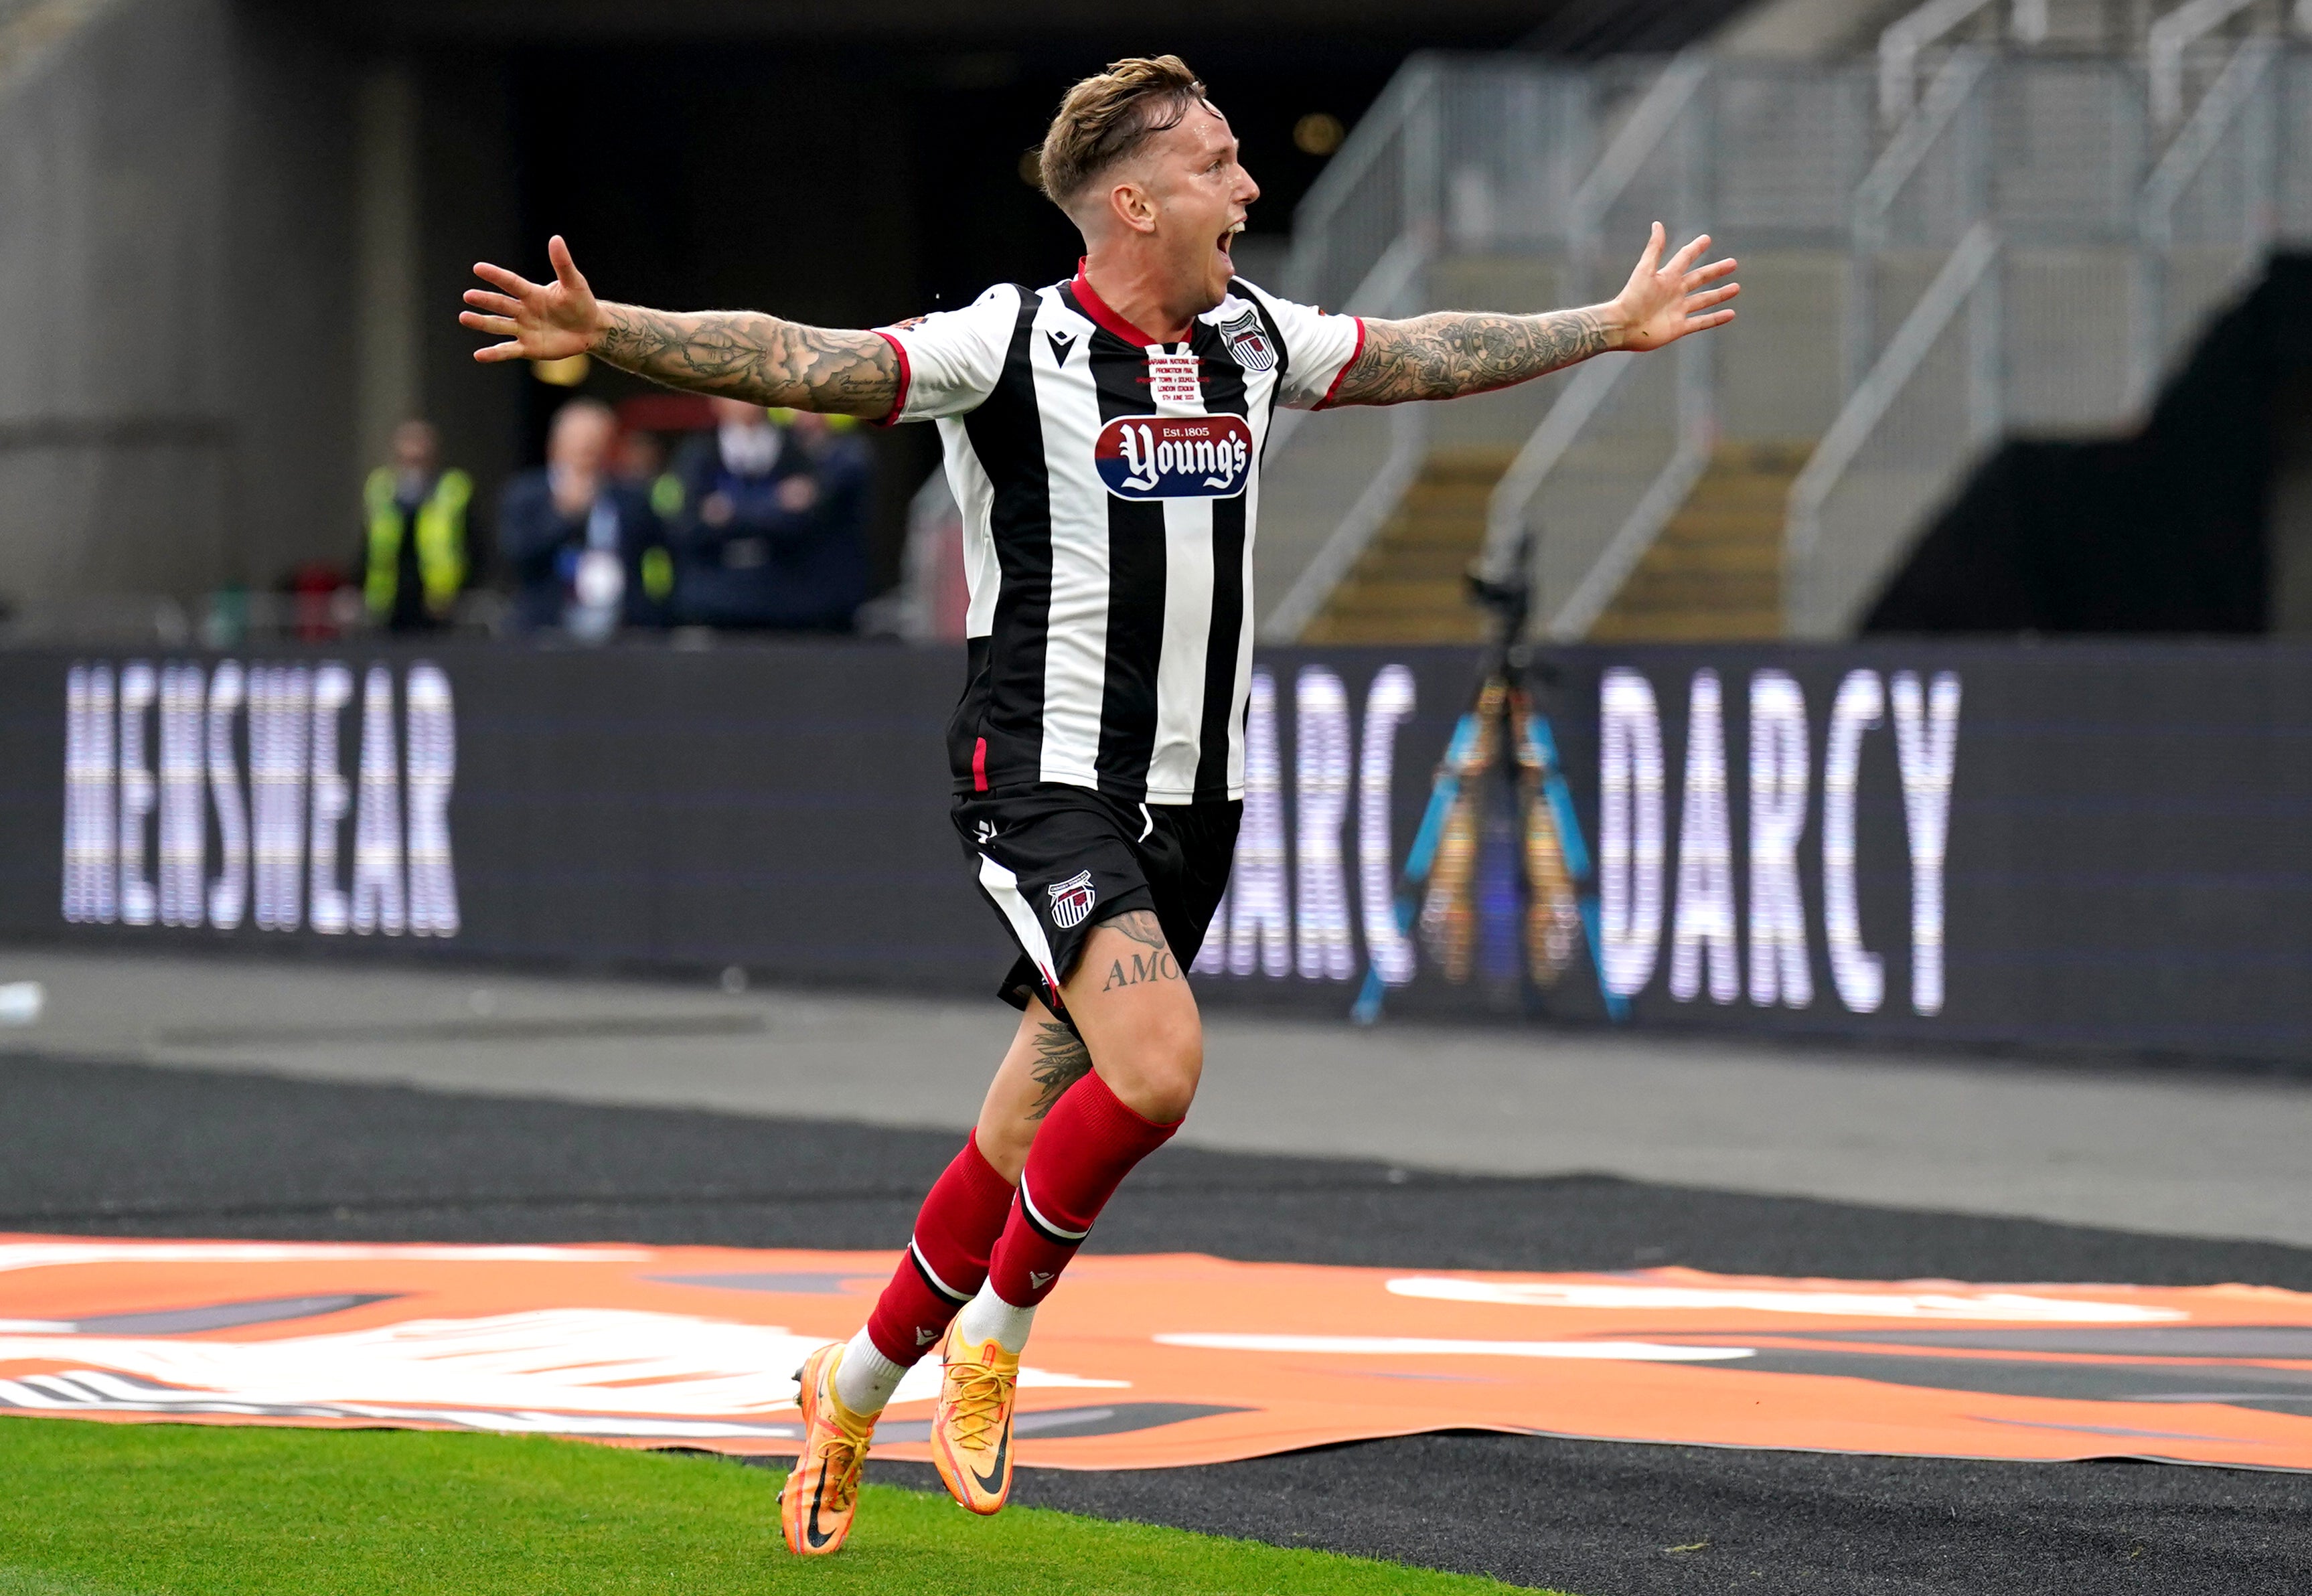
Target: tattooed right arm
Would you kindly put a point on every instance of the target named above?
(745, 354)
(739, 354)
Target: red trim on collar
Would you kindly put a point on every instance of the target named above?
(1346, 364)
(1098, 309)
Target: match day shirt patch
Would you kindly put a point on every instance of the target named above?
(1071, 900)
(1248, 342)
(1175, 456)
(1176, 379)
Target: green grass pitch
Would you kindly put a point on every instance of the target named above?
(90, 1509)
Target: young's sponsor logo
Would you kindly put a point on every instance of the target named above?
(1175, 456)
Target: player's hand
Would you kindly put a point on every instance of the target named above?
(1662, 303)
(541, 321)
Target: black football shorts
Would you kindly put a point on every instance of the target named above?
(1054, 861)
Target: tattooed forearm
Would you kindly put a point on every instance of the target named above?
(1454, 353)
(744, 354)
(1061, 1060)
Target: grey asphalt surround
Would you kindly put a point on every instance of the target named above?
(129, 1150)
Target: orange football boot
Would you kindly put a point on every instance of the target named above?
(820, 1495)
(971, 1427)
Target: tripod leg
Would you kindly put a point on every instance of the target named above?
(1443, 789)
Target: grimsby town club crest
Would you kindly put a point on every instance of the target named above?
(1248, 340)
(1071, 900)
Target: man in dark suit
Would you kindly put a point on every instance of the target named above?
(586, 552)
(773, 533)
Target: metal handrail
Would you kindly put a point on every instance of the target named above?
(1670, 488)
(1408, 450)
(2234, 90)
(2186, 155)
(2168, 39)
(1387, 288)
(1875, 395)
(1922, 128)
(1640, 134)
(1946, 97)
(1650, 122)
(1384, 293)
(1903, 39)
(1583, 396)
(1384, 121)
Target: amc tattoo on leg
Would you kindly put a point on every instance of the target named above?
(1156, 965)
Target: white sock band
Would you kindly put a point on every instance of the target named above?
(864, 1379)
(988, 1314)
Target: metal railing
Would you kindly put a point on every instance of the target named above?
(1445, 159)
(2125, 199)
(1363, 236)
(2164, 46)
(2226, 111)
(1903, 42)
(1602, 525)
(1885, 476)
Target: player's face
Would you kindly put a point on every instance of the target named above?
(1201, 192)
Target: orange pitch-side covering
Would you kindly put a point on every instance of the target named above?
(1149, 1362)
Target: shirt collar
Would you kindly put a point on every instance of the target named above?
(1098, 309)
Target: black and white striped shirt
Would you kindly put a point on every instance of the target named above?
(1109, 486)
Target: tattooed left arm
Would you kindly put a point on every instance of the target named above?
(1453, 353)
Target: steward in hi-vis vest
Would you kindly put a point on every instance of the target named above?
(415, 557)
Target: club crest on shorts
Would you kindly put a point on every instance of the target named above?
(1248, 340)
(1071, 900)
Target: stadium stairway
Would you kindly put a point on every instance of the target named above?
(1406, 588)
(1714, 575)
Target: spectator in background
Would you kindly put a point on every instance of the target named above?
(586, 552)
(641, 466)
(772, 530)
(413, 559)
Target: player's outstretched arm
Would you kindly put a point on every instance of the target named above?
(742, 354)
(1454, 352)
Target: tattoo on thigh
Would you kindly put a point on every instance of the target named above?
(1160, 965)
(1061, 1060)
(1156, 965)
(1141, 925)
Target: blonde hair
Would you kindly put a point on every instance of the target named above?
(1107, 118)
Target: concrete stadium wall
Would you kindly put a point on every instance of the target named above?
(174, 270)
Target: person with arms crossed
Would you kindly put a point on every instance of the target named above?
(1103, 437)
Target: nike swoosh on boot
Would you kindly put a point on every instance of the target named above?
(993, 1480)
(811, 1530)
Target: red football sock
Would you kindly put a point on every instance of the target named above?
(1085, 1147)
(947, 1262)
